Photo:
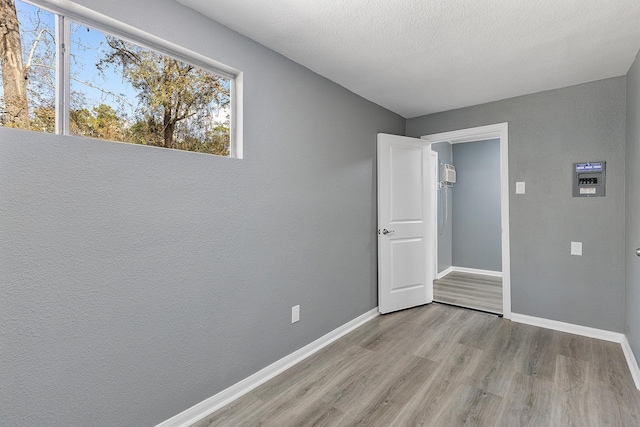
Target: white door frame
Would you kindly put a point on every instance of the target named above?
(480, 133)
(435, 167)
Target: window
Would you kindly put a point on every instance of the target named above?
(28, 64)
(80, 80)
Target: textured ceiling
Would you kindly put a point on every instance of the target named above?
(417, 57)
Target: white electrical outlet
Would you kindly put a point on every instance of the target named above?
(576, 248)
(519, 187)
(295, 313)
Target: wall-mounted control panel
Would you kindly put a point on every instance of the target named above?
(589, 179)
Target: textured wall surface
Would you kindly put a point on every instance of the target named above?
(549, 131)
(477, 237)
(138, 281)
(445, 155)
(632, 234)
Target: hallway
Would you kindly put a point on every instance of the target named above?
(469, 290)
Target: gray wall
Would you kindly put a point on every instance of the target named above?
(548, 132)
(445, 155)
(137, 281)
(632, 158)
(477, 237)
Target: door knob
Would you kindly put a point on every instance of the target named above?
(638, 251)
(385, 231)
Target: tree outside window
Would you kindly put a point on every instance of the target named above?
(119, 91)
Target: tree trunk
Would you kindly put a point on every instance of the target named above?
(168, 122)
(14, 78)
(169, 127)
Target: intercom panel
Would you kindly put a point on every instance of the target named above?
(589, 179)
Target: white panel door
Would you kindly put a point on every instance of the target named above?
(405, 229)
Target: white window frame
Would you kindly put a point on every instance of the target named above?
(67, 11)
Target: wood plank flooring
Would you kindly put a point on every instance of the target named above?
(438, 365)
(475, 291)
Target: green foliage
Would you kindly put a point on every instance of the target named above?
(102, 123)
(146, 132)
(216, 141)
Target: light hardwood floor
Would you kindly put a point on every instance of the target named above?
(438, 365)
(475, 291)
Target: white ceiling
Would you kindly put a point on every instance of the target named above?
(418, 57)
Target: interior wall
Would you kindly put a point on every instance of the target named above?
(477, 225)
(548, 132)
(139, 281)
(445, 254)
(632, 217)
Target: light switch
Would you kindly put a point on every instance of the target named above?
(519, 187)
(576, 248)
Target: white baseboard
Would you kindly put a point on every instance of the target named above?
(587, 332)
(568, 327)
(212, 404)
(468, 270)
(631, 361)
(444, 273)
(477, 271)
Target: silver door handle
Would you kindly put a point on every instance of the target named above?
(385, 231)
(638, 251)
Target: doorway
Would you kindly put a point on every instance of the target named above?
(491, 284)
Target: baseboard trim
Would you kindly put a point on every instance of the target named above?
(477, 271)
(468, 270)
(631, 361)
(568, 327)
(212, 404)
(444, 273)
